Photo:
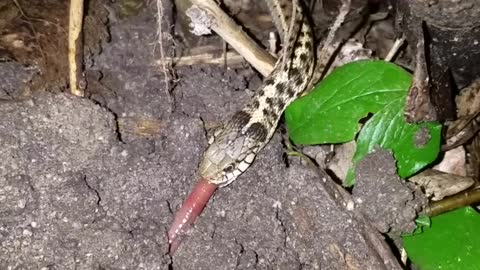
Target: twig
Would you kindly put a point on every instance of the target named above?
(344, 9)
(34, 19)
(166, 77)
(329, 47)
(272, 43)
(32, 28)
(396, 46)
(232, 58)
(75, 48)
(466, 128)
(233, 34)
(465, 198)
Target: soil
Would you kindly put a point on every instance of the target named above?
(93, 183)
(375, 180)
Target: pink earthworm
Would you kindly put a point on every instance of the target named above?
(192, 207)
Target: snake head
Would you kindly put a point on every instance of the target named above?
(228, 156)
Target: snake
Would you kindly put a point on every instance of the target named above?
(233, 146)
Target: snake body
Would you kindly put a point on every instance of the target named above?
(234, 146)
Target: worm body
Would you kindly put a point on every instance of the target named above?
(191, 208)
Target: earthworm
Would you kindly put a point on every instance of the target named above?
(192, 207)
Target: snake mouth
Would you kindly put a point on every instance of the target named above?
(191, 208)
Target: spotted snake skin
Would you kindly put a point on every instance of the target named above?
(234, 146)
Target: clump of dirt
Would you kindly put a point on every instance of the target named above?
(13, 78)
(389, 202)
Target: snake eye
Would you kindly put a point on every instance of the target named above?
(229, 168)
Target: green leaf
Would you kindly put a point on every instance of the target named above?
(451, 243)
(413, 145)
(330, 114)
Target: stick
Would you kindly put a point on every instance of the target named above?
(393, 51)
(166, 77)
(233, 34)
(232, 58)
(75, 48)
(329, 46)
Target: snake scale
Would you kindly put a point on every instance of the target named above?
(234, 146)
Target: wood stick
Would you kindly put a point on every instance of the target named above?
(232, 58)
(75, 48)
(233, 34)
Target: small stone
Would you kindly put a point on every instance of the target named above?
(27, 233)
(22, 203)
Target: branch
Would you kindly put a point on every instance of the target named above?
(75, 48)
(207, 11)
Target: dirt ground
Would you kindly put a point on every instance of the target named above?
(82, 188)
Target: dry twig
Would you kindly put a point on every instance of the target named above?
(160, 34)
(463, 199)
(207, 10)
(75, 48)
(393, 51)
(329, 46)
